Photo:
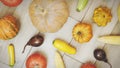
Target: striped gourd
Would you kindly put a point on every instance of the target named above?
(8, 27)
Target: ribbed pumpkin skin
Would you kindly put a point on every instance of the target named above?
(8, 27)
(48, 16)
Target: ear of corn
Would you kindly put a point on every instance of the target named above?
(63, 46)
(118, 12)
(58, 60)
(81, 5)
(110, 39)
(11, 53)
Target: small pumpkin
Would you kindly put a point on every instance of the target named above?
(82, 32)
(48, 15)
(8, 27)
(102, 16)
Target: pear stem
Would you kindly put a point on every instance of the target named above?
(109, 65)
(24, 48)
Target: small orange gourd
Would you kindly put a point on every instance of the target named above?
(8, 27)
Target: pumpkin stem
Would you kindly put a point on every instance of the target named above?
(79, 33)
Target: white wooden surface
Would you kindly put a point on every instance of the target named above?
(84, 51)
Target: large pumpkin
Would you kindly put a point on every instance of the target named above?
(48, 15)
(8, 27)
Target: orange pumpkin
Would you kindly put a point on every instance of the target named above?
(8, 27)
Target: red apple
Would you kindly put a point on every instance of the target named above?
(11, 3)
(88, 65)
(36, 60)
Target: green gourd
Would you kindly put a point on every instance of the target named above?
(81, 5)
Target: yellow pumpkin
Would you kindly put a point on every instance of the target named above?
(102, 16)
(8, 27)
(82, 32)
(48, 15)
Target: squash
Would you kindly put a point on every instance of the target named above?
(48, 15)
(102, 16)
(11, 53)
(8, 27)
(81, 5)
(61, 45)
(82, 32)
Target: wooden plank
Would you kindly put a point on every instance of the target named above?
(71, 62)
(116, 30)
(2, 65)
(51, 36)
(112, 51)
(47, 47)
(78, 15)
(85, 51)
(27, 30)
(4, 53)
(5, 10)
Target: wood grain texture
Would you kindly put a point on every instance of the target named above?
(84, 51)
